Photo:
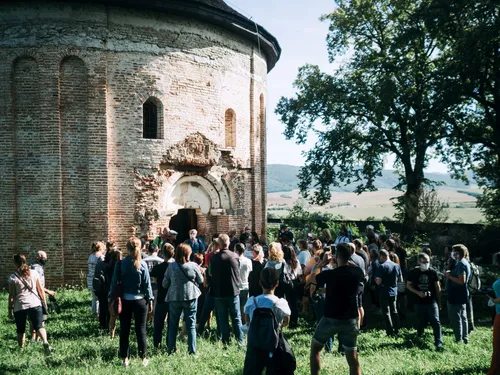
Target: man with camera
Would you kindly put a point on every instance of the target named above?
(424, 282)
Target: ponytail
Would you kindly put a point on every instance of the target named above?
(22, 267)
(134, 251)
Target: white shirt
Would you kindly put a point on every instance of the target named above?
(245, 269)
(281, 310)
(296, 272)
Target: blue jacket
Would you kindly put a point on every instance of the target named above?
(134, 282)
(197, 246)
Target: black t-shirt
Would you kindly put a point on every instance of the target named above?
(158, 271)
(424, 282)
(341, 291)
(225, 274)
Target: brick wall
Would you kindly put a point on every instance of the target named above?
(72, 85)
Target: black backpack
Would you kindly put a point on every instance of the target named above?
(99, 282)
(264, 331)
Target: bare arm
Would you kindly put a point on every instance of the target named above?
(438, 290)
(40, 290)
(12, 296)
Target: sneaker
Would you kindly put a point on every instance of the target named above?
(145, 362)
(440, 348)
(48, 349)
(125, 363)
(466, 341)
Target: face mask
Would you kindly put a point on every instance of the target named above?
(425, 266)
(192, 236)
(310, 246)
(42, 261)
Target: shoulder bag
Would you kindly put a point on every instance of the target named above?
(44, 304)
(115, 302)
(185, 274)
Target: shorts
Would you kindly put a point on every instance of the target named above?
(359, 300)
(35, 315)
(346, 329)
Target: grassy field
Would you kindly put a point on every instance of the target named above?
(80, 349)
(377, 204)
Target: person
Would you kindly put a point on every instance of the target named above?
(25, 301)
(245, 269)
(225, 275)
(96, 256)
(495, 298)
(315, 250)
(161, 238)
(152, 260)
(137, 299)
(341, 310)
(197, 245)
(233, 240)
(116, 257)
(371, 236)
(304, 258)
(372, 271)
(182, 281)
(358, 243)
(387, 277)
(326, 237)
(205, 317)
(257, 359)
(292, 267)
(344, 235)
(258, 264)
(286, 232)
(276, 262)
(401, 253)
(39, 266)
(424, 282)
(101, 283)
(318, 292)
(161, 309)
(358, 261)
(458, 293)
(246, 234)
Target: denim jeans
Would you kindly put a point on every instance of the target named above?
(388, 305)
(138, 308)
(161, 312)
(429, 313)
(174, 315)
(457, 314)
(225, 307)
(208, 307)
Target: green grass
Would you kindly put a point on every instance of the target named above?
(79, 349)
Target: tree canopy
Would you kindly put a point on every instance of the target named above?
(388, 98)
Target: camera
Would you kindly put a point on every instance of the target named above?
(428, 293)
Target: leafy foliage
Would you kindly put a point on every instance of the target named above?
(388, 99)
(468, 31)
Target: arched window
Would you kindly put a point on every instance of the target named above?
(230, 128)
(152, 119)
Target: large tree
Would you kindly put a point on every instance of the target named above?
(386, 99)
(468, 31)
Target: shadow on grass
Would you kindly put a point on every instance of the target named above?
(462, 371)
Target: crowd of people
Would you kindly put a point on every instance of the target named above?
(254, 290)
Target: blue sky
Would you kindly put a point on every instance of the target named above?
(296, 25)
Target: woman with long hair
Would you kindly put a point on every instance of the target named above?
(97, 255)
(116, 256)
(25, 300)
(292, 267)
(277, 263)
(133, 273)
(182, 281)
(258, 264)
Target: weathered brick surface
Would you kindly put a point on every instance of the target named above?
(74, 167)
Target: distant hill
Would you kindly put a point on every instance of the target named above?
(282, 177)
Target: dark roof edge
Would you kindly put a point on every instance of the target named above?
(232, 21)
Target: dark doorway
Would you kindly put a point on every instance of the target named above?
(183, 222)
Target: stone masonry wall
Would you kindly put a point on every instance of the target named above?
(72, 83)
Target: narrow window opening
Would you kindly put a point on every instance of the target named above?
(152, 119)
(230, 128)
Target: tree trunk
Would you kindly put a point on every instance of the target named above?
(410, 201)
